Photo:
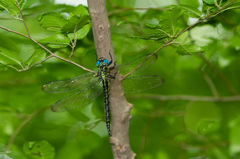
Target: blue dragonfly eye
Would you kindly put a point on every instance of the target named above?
(106, 61)
(97, 63)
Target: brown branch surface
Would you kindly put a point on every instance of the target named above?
(120, 108)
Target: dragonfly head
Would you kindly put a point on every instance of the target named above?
(102, 62)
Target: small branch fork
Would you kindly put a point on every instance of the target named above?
(73, 42)
(43, 47)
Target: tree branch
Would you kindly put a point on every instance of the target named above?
(188, 98)
(120, 108)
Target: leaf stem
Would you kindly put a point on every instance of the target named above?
(22, 19)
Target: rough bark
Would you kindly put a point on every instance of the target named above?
(120, 108)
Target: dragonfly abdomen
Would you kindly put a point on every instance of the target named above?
(105, 83)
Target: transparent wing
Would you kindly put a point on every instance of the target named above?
(78, 99)
(141, 83)
(69, 85)
(127, 67)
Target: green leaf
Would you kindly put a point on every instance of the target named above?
(9, 58)
(188, 49)
(203, 117)
(192, 3)
(79, 11)
(120, 22)
(208, 1)
(52, 21)
(39, 150)
(56, 41)
(192, 12)
(81, 33)
(37, 56)
(204, 35)
(208, 125)
(77, 19)
(170, 21)
(155, 36)
(27, 3)
(10, 6)
(75, 22)
(235, 4)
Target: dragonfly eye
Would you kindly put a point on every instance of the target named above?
(106, 62)
(98, 62)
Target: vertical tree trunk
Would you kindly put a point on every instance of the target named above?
(120, 108)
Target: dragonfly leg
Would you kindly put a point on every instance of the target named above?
(110, 62)
(110, 56)
(113, 76)
(111, 68)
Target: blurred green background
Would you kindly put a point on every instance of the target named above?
(180, 119)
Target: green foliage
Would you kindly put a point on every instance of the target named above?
(39, 150)
(10, 6)
(37, 56)
(52, 21)
(56, 41)
(55, 30)
(180, 119)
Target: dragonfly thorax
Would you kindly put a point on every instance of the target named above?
(102, 62)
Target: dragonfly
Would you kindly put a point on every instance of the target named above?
(87, 87)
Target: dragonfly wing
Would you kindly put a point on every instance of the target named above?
(127, 67)
(69, 85)
(79, 99)
(141, 83)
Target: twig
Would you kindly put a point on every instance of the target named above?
(216, 4)
(150, 55)
(188, 98)
(210, 84)
(73, 43)
(221, 75)
(37, 63)
(22, 19)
